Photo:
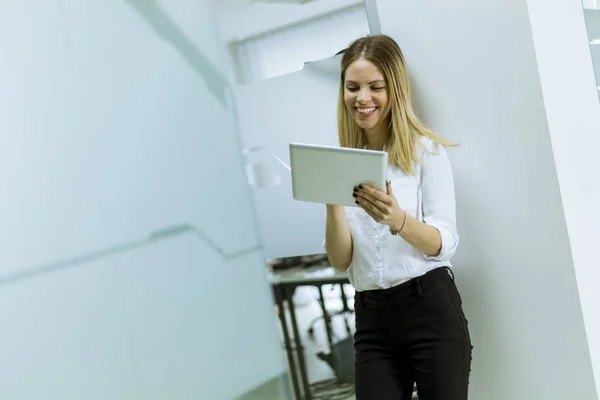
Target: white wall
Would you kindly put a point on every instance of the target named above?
(110, 131)
(242, 20)
(476, 76)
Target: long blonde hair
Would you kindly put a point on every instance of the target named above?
(405, 128)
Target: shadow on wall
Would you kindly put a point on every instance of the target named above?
(169, 31)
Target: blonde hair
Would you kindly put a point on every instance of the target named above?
(405, 128)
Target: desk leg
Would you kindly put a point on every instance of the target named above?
(326, 318)
(345, 307)
(299, 347)
(279, 299)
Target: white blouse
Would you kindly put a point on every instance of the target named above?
(381, 260)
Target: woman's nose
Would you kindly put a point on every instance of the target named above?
(363, 96)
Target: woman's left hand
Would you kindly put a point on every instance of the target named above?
(382, 207)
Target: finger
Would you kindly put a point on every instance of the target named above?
(365, 206)
(377, 211)
(373, 193)
(377, 197)
(372, 204)
(388, 187)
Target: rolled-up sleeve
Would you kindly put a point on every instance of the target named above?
(439, 204)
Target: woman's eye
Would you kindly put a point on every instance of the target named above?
(354, 89)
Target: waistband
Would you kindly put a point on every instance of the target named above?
(415, 286)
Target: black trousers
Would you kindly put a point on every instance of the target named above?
(412, 333)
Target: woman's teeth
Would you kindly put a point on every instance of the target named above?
(366, 110)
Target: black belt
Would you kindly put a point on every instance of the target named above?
(415, 286)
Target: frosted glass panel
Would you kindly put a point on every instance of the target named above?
(130, 257)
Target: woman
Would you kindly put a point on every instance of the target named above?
(396, 245)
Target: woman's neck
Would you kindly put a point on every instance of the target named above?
(376, 140)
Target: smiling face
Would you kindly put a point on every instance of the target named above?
(366, 97)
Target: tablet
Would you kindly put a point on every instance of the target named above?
(327, 174)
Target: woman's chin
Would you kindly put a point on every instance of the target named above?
(366, 124)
